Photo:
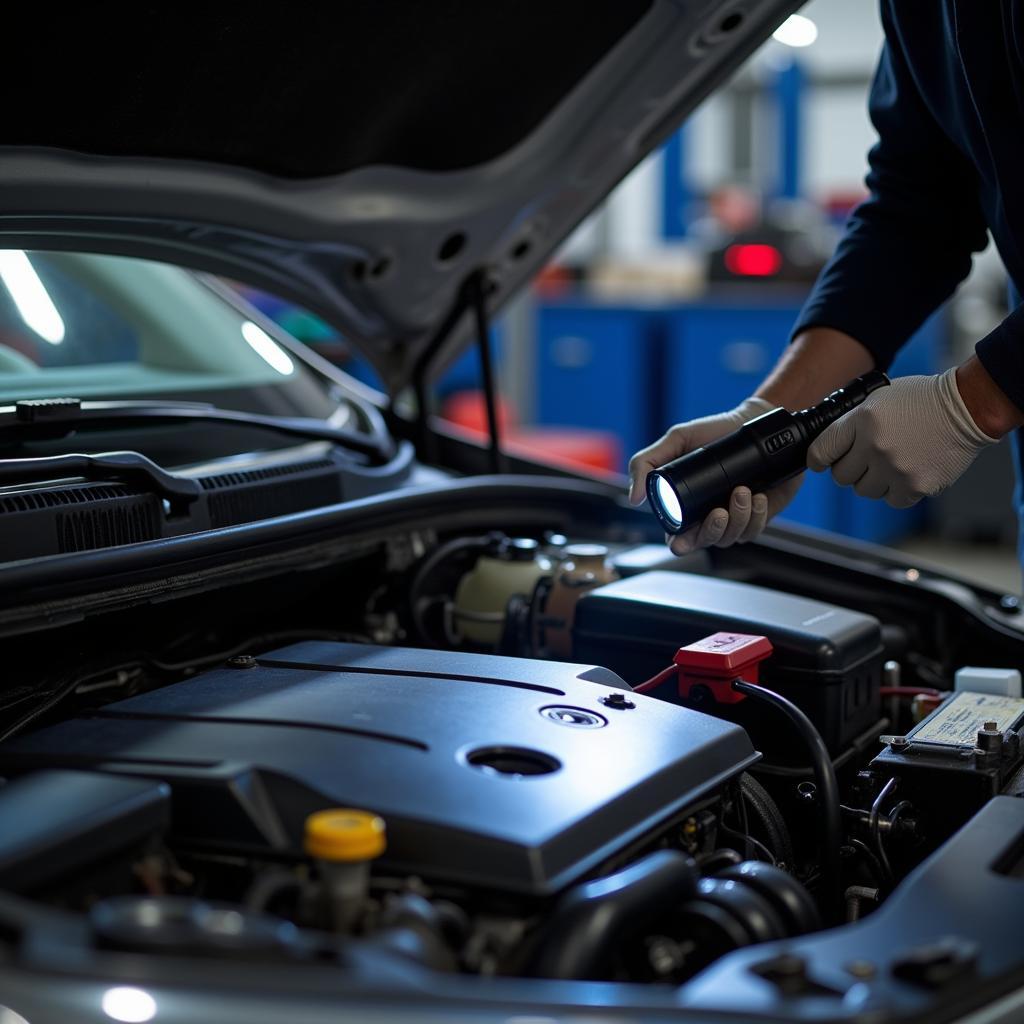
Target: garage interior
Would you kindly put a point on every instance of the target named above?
(345, 680)
(674, 298)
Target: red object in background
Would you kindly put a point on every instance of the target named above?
(468, 409)
(753, 260)
(565, 446)
(555, 281)
(717, 660)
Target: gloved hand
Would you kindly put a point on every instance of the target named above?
(904, 442)
(747, 514)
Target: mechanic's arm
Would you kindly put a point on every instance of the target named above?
(909, 244)
(917, 438)
(905, 442)
(905, 250)
(816, 362)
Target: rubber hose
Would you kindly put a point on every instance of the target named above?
(440, 554)
(268, 886)
(790, 899)
(767, 812)
(414, 928)
(591, 920)
(758, 916)
(716, 861)
(828, 789)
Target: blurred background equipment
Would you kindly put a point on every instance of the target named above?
(676, 296)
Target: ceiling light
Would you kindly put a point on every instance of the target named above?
(30, 296)
(796, 30)
(267, 349)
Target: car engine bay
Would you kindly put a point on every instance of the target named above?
(523, 755)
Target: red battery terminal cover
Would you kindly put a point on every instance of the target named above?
(717, 660)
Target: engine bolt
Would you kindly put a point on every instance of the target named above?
(619, 701)
(990, 738)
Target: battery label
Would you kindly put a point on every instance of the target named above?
(956, 723)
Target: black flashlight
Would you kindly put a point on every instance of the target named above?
(759, 455)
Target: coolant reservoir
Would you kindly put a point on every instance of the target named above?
(584, 567)
(482, 595)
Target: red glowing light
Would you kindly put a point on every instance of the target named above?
(753, 260)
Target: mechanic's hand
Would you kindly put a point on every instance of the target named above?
(904, 442)
(746, 515)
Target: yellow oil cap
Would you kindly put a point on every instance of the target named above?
(343, 834)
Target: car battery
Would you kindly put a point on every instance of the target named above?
(951, 763)
(826, 659)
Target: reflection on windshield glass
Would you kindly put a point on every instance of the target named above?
(266, 348)
(95, 326)
(56, 310)
(29, 296)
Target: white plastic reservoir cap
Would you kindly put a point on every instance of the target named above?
(1002, 681)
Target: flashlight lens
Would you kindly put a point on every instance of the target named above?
(669, 502)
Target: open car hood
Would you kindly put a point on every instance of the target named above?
(363, 160)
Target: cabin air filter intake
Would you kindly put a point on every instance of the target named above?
(759, 455)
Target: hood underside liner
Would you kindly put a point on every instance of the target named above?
(362, 166)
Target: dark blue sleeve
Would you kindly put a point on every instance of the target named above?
(908, 245)
(1002, 354)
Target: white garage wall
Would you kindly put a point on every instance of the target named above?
(839, 119)
(837, 132)
(708, 137)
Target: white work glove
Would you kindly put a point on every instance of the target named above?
(904, 442)
(747, 514)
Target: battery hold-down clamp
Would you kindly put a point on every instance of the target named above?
(714, 663)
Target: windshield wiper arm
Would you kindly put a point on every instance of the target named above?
(129, 467)
(52, 418)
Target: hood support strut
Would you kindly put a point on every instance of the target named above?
(471, 296)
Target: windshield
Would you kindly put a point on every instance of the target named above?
(90, 326)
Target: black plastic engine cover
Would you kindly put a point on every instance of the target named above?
(442, 745)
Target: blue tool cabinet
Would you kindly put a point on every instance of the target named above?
(597, 367)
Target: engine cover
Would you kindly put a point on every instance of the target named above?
(500, 772)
